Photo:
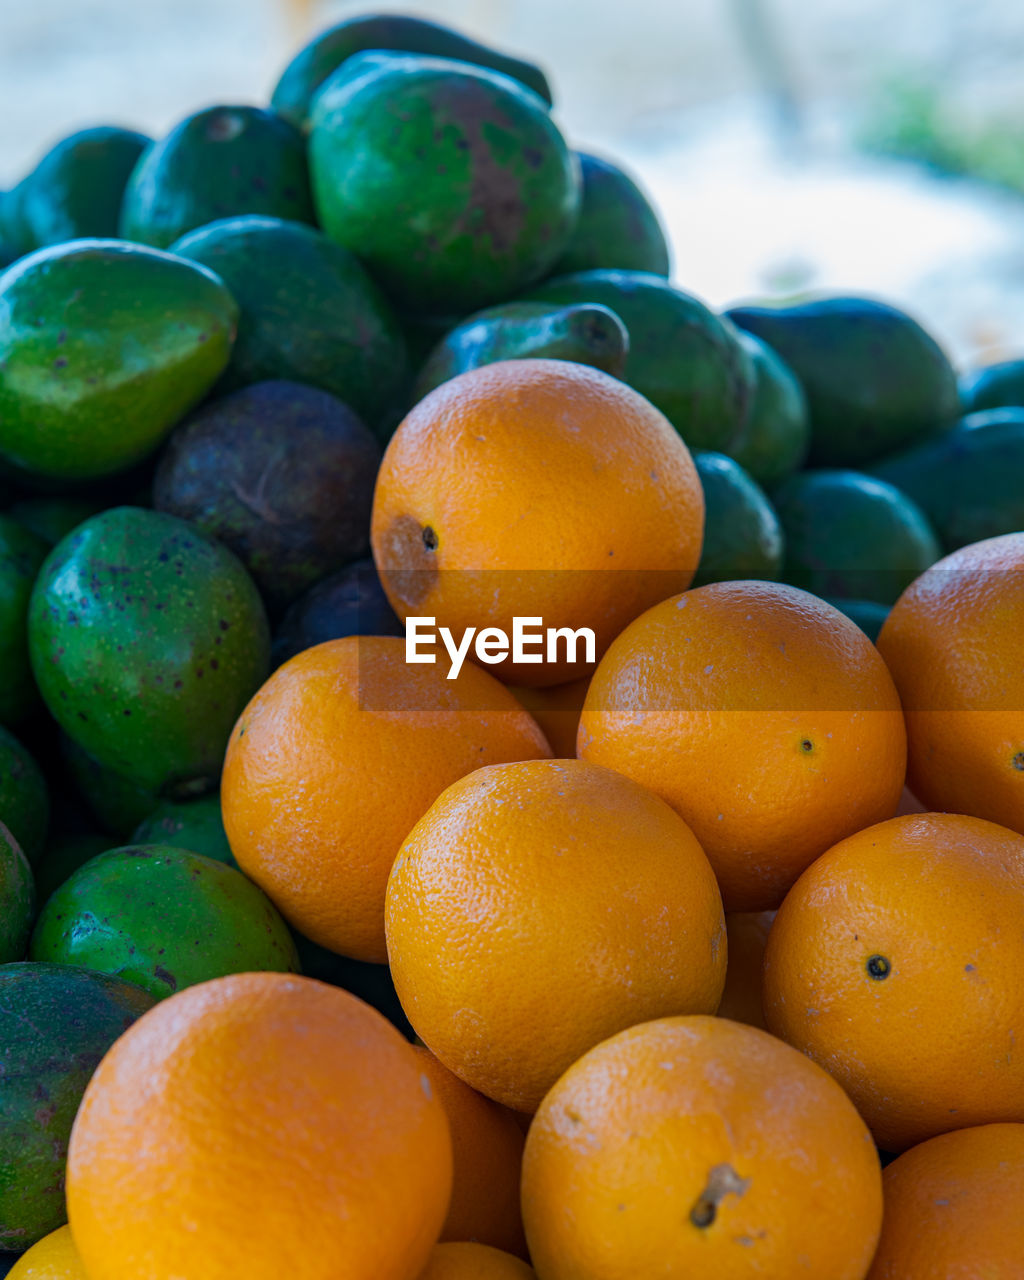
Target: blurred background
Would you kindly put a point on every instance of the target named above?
(874, 146)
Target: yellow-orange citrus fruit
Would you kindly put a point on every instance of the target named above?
(763, 716)
(953, 1208)
(52, 1258)
(897, 962)
(332, 762)
(261, 1124)
(952, 643)
(475, 1262)
(487, 1158)
(557, 710)
(747, 934)
(693, 1147)
(538, 908)
(537, 489)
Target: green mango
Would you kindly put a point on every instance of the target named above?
(776, 437)
(188, 824)
(218, 163)
(164, 918)
(682, 357)
(875, 380)
(103, 346)
(586, 333)
(993, 386)
(24, 797)
(51, 518)
(618, 227)
(64, 856)
(56, 1023)
(852, 536)
(147, 638)
(451, 182)
(869, 615)
(742, 534)
(17, 900)
(118, 804)
(21, 556)
(309, 312)
(398, 33)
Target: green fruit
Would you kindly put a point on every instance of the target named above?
(682, 357)
(195, 825)
(309, 312)
(56, 1023)
(742, 535)
(63, 858)
(163, 918)
(24, 797)
(852, 536)
(117, 803)
(775, 439)
(452, 183)
(586, 333)
(103, 347)
(398, 33)
(147, 638)
(875, 380)
(53, 518)
(869, 615)
(618, 227)
(218, 163)
(21, 556)
(17, 899)
(993, 387)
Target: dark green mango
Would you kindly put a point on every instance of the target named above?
(309, 312)
(618, 227)
(188, 824)
(24, 797)
(281, 473)
(869, 615)
(852, 536)
(399, 33)
(875, 380)
(147, 638)
(50, 518)
(218, 163)
(993, 386)
(585, 333)
(103, 346)
(350, 602)
(56, 1023)
(452, 183)
(776, 437)
(742, 534)
(682, 356)
(17, 900)
(63, 857)
(21, 556)
(117, 804)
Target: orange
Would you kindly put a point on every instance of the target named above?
(897, 962)
(952, 642)
(487, 1157)
(332, 762)
(52, 1258)
(747, 935)
(697, 1147)
(537, 489)
(538, 908)
(557, 710)
(262, 1125)
(764, 717)
(475, 1262)
(953, 1208)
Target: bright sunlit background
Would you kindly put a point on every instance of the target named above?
(863, 145)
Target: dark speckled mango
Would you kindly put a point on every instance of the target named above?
(618, 227)
(147, 638)
(188, 824)
(452, 183)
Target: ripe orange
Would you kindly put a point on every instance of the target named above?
(897, 962)
(953, 1208)
(538, 908)
(541, 489)
(487, 1157)
(763, 716)
(747, 934)
(475, 1262)
(261, 1124)
(335, 759)
(557, 710)
(952, 643)
(52, 1258)
(699, 1147)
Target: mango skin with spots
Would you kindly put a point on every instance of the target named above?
(147, 638)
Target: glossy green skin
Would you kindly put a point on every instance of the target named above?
(53, 518)
(682, 357)
(452, 183)
(281, 473)
(742, 534)
(24, 797)
(618, 227)
(21, 556)
(994, 386)
(103, 346)
(117, 803)
(852, 536)
(311, 66)
(875, 380)
(869, 615)
(164, 918)
(188, 824)
(309, 312)
(218, 163)
(776, 437)
(63, 858)
(56, 1023)
(148, 638)
(968, 481)
(584, 333)
(17, 899)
